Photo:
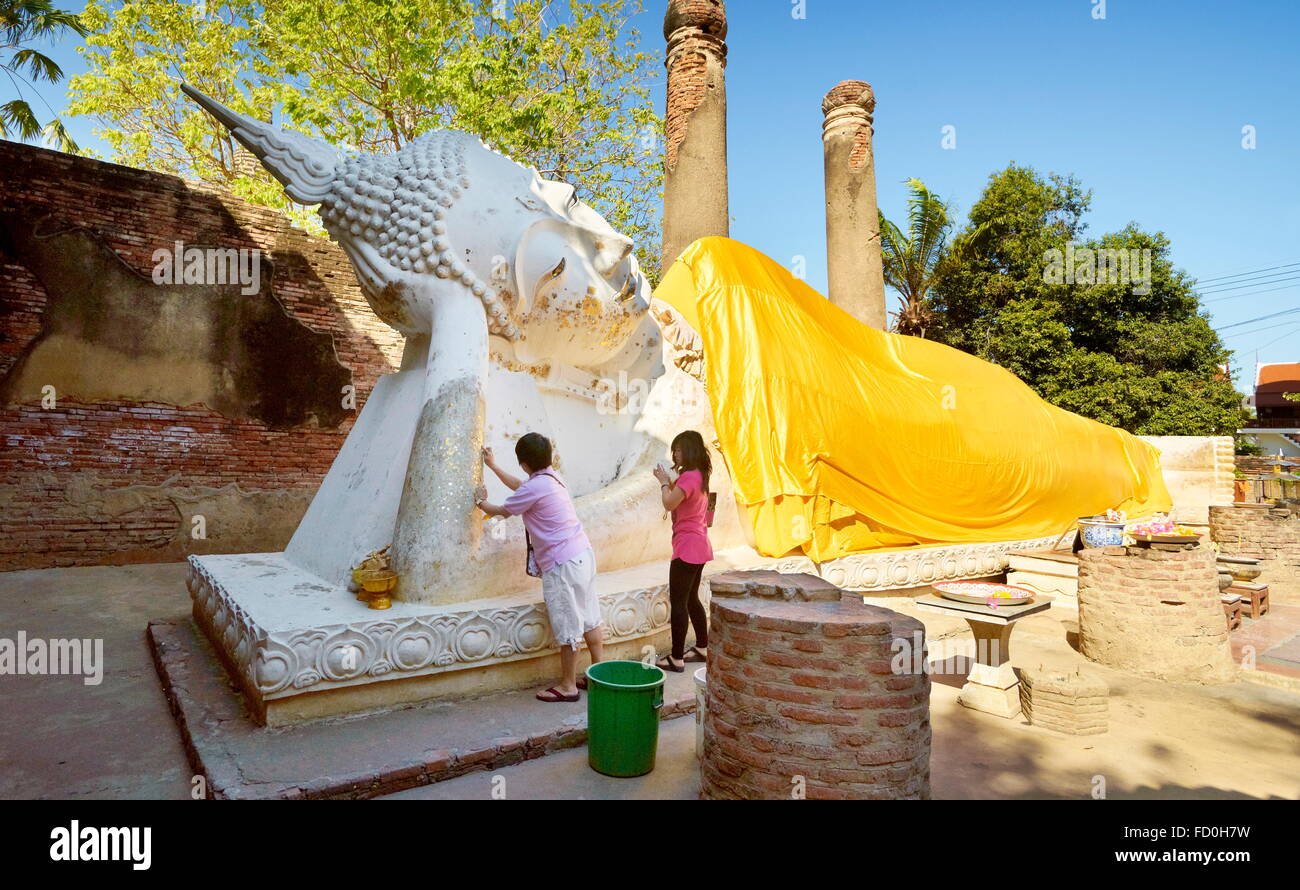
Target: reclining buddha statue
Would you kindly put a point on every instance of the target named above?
(524, 310)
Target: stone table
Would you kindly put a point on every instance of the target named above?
(992, 685)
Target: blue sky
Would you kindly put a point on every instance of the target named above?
(1145, 106)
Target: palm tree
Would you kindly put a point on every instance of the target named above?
(912, 261)
(23, 22)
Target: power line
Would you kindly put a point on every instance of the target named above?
(1293, 329)
(1251, 293)
(1260, 330)
(1259, 283)
(1235, 334)
(1260, 318)
(1266, 329)
(1250, 272)
(1270, 279)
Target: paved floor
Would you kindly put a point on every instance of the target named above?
(1273, 642)
(359, 756)
(567, 775)
(63, 739)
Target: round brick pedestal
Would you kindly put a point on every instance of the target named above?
(810, 695)
(1270, 534)
(1155, 613)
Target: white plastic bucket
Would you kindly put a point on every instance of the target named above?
(699, 713)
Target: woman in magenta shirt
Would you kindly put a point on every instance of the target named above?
(688, 499)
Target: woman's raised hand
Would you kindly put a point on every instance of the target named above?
(661, 474)
(488, 457)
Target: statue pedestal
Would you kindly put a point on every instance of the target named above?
(302, 648)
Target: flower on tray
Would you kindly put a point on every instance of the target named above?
(1163, 528)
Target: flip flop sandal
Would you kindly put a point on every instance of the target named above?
(556, 696)
(693, 656)
(666, 664)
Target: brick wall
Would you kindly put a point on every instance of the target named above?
(121, 480)
(1154, 612)
(1269, 533)
(1256, 465)
(805, 697)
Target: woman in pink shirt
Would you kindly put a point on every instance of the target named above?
(688, 499)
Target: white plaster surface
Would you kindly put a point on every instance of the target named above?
(1198, 472)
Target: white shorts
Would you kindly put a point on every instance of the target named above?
(569, 591)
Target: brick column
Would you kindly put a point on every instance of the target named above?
(1064, 701)
(1155, 613)
(1268, 533)
(695, 125)
(855, 276)
(810, 694)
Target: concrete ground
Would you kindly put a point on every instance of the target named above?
(63, 739)
(567, 775)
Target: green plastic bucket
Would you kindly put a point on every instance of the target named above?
(623, 702)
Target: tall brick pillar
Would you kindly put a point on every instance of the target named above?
(855, 276)
(695, 156)
(812, 694)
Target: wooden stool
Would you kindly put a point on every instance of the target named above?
(1254, 598)
(1232, 609)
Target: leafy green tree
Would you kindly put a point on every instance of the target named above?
(559, 85)
(22, 23)
(1128, 346)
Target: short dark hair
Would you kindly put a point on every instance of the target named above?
(533, 449)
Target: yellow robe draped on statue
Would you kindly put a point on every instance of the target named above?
(841, 438)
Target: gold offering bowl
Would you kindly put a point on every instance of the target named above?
(377, 585)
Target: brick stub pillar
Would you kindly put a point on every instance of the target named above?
(1155, 613)
(811, 693)
(1269, 533)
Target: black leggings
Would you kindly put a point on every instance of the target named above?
(684, 598)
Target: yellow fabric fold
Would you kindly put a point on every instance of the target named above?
(841, 438)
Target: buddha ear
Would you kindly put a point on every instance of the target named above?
(546, 250)
(540, 260)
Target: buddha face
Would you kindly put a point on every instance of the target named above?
(581, 294)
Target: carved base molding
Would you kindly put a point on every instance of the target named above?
(918, 567)
(285, 632)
